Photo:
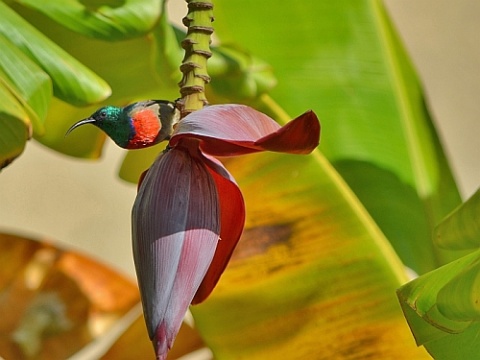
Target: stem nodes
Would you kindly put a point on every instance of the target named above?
(197, 51)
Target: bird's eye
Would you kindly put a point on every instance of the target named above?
(101, 115)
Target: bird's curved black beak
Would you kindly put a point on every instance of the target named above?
(80, 123)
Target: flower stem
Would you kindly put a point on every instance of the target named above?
(197, 51)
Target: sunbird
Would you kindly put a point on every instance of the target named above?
(135, 126)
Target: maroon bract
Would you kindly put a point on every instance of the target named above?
(189, 212)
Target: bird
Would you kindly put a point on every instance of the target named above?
(135, 126)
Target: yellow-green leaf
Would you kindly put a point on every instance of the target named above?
(312, 276)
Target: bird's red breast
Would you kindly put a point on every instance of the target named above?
(147, 125)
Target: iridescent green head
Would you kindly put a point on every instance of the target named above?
(113, 121)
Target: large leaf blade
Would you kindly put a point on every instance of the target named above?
(312, 274)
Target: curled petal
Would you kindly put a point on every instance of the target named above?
(232, 208)
(175, 231)
(299, 136)
(227, 130)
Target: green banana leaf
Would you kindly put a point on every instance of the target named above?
(461, 228)
(112, 21)
(441, 306)
(344, 60)
(72, 81)
(28, 82)
(15, 125)
(25, 91)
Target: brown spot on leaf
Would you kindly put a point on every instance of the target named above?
(257, 240)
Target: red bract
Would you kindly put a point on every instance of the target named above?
(189, 212)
